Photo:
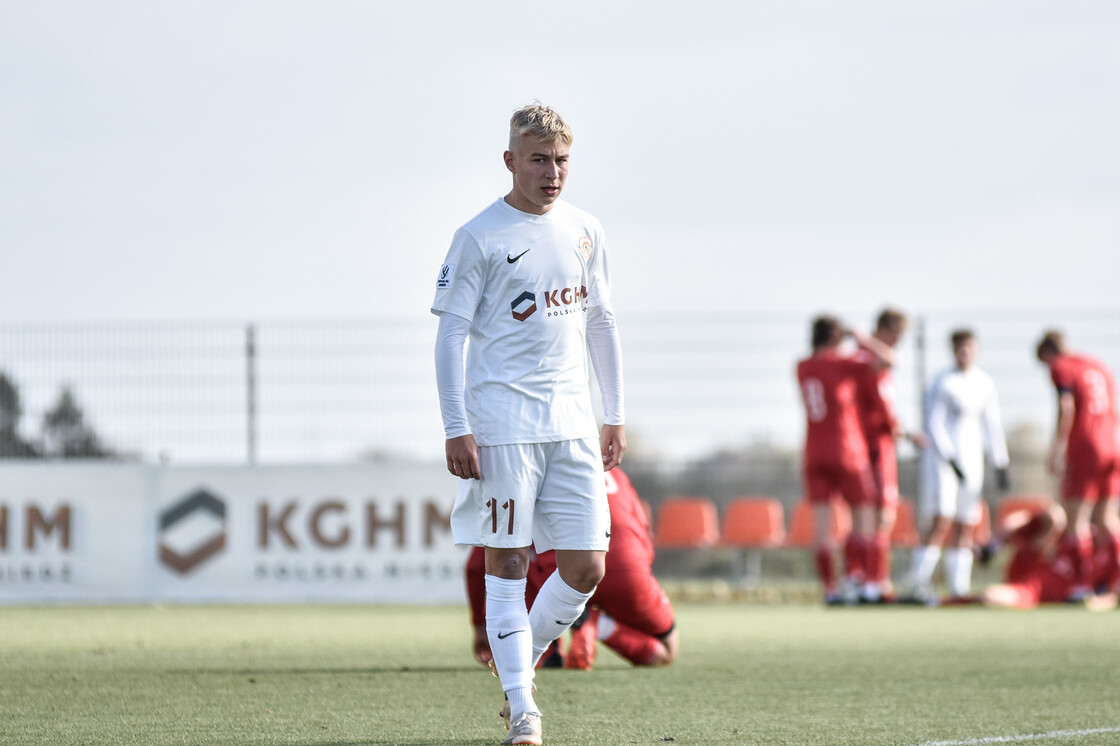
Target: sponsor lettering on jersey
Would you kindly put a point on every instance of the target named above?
(566, 297)
(560, 302)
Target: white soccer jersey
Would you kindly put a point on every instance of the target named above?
(524, 282)
(962, 421)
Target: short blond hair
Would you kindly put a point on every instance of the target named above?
(538, 122)
(891, 318)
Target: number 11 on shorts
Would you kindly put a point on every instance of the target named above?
(508, 506)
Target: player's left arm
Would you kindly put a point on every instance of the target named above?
(997, 439)
(606, 357)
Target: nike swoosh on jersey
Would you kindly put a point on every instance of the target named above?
(512, 259)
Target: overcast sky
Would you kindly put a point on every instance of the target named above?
(278, 160)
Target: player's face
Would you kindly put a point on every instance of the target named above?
(965, 353)
(890, 334)
(539, 171)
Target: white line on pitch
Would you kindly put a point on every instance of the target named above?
(1026, 737)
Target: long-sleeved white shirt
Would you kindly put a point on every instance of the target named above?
(963, 420)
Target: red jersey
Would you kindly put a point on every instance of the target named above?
(631, 545)
(1093, 387)
(835, 389)
(879, 412)
(1051, 578)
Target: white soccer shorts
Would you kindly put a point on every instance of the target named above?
(943, 494)
(551, 495)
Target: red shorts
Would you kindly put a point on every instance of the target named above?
(884, 468)
(634, 597)
(1091, 478)
(855, 485)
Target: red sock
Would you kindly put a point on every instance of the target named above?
(1081, 557)
(854, 558)
(1108, 573)
(636, 647)
(883, 548)
(869, 548)
(823, 559)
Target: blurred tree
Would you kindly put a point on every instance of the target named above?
(12, 444)
(66, 433)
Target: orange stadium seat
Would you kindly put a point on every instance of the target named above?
(750, 525)
(686, 523)
(801, 533)
(905, 533)
(754, 523)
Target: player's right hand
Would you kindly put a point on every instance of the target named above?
(462, 457)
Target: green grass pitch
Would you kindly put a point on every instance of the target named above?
(747, 674)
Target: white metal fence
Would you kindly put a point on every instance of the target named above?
(337, 391)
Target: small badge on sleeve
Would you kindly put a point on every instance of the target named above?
(444, 278)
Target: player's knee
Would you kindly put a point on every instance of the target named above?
(584, 579)
(664, 652)
(581, 570)
(512, 564)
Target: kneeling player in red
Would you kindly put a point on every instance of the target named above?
(1042, 568)
(629, 612)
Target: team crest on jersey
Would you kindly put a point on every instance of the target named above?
(586, 247)
(443, 280)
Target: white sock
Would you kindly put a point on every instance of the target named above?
(958, 570)
(511, 641)
(607, 626)
(557, 607)
(923, 563)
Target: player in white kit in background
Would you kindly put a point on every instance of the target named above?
(527, 281)
(962, 422)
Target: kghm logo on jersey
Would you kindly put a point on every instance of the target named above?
(565, 301)
(525, 306)
(559, 302)
(585, 247)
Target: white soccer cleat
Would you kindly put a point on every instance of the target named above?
(504, 713)
(526, 730)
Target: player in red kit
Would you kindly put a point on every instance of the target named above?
(882, 428)
(835, 387)
(629, 611)
(1041, 567)
(1087, 440)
